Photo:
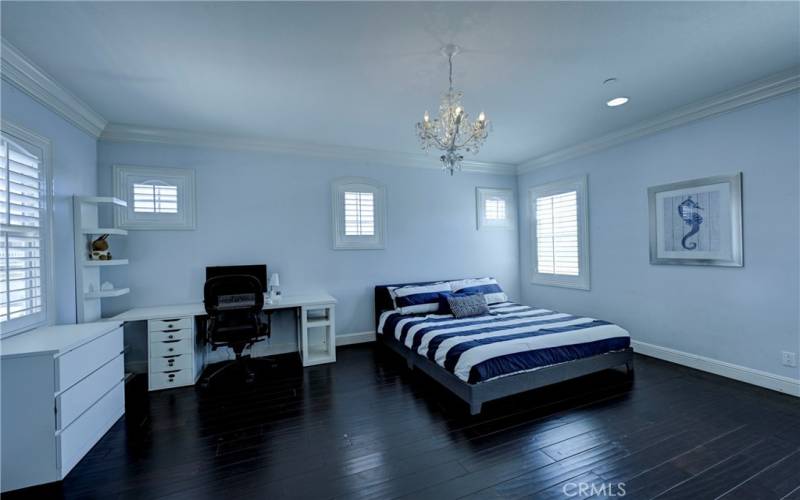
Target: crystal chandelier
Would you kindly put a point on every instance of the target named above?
(452, 132)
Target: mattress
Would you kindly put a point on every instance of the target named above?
(511, 339)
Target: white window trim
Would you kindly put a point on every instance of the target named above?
(364, 185)
(46, 230)
(578, 184)
(481, 194)
(185, 219)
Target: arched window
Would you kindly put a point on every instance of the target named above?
(158, 198)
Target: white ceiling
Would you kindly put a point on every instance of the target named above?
(362, 74)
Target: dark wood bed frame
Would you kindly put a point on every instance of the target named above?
(477, 394)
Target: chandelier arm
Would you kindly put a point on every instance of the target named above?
(468, 140)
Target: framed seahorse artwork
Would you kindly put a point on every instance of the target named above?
(697, 222)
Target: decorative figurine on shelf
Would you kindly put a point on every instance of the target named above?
(100, 249)
(107, 286)
(274, 294)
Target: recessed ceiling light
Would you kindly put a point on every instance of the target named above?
(617, 101)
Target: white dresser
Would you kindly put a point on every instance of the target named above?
(62, 389)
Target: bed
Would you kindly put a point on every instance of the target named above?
(513, 349)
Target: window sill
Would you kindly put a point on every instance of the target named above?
(576, 284)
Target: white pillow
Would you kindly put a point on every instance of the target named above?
(487, 286)
(416, 299)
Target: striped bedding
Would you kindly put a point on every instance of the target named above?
(511, 339)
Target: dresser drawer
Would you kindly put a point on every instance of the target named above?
(166, 335)
(76, 364)
(78, 438)
(166, 363)
(160, 349)
(159, 325)
(78, 398)
(168, 379)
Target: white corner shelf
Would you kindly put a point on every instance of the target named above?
(104, 230)
(103, 199)
(103, 294)
(103, 263)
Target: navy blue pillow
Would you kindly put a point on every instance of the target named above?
(444, 305)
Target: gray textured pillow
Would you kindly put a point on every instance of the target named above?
(465, 306)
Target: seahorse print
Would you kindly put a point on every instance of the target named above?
(689, 212)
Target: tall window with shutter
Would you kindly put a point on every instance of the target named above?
(358, 214)
(559, 234)
(24, 226)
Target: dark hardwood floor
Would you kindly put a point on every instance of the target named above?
(365, 427)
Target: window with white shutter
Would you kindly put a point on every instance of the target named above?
(24, 230)
(158, 197)
(155, 197)
(496, 208)
(358, 214)
(560, 250)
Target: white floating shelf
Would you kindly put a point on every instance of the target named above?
(102, 294)
(102, 263)
(103, 199)
(104, 230)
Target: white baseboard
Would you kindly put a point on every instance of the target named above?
(760, 378)
(355, 338)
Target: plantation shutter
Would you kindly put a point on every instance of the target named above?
(557, 234)
(22, 211)
(495, 209)
(359, 214)
(155, 198)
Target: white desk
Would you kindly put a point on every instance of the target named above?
(172, 343)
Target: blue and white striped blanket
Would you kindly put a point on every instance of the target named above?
(512, 339)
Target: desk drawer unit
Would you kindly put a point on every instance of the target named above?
(171, 347)
(169, 379)
(160, 325)
(167, 363)
(167, 335)
(171, 344)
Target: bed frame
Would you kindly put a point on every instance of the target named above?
(477, 394)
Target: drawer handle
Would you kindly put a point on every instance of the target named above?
(170, 349)
(171, 336)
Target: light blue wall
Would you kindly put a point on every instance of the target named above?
(745, 316)
(257, 207)
(74, 172)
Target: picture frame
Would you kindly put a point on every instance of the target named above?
(697, 222)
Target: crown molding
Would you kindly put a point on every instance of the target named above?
(760, 90)
(21, 72)
(116, 132)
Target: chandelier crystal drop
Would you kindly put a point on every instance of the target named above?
(452, 132)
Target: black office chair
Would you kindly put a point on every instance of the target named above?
(233, 304)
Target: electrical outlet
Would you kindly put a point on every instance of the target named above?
(789, 358)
